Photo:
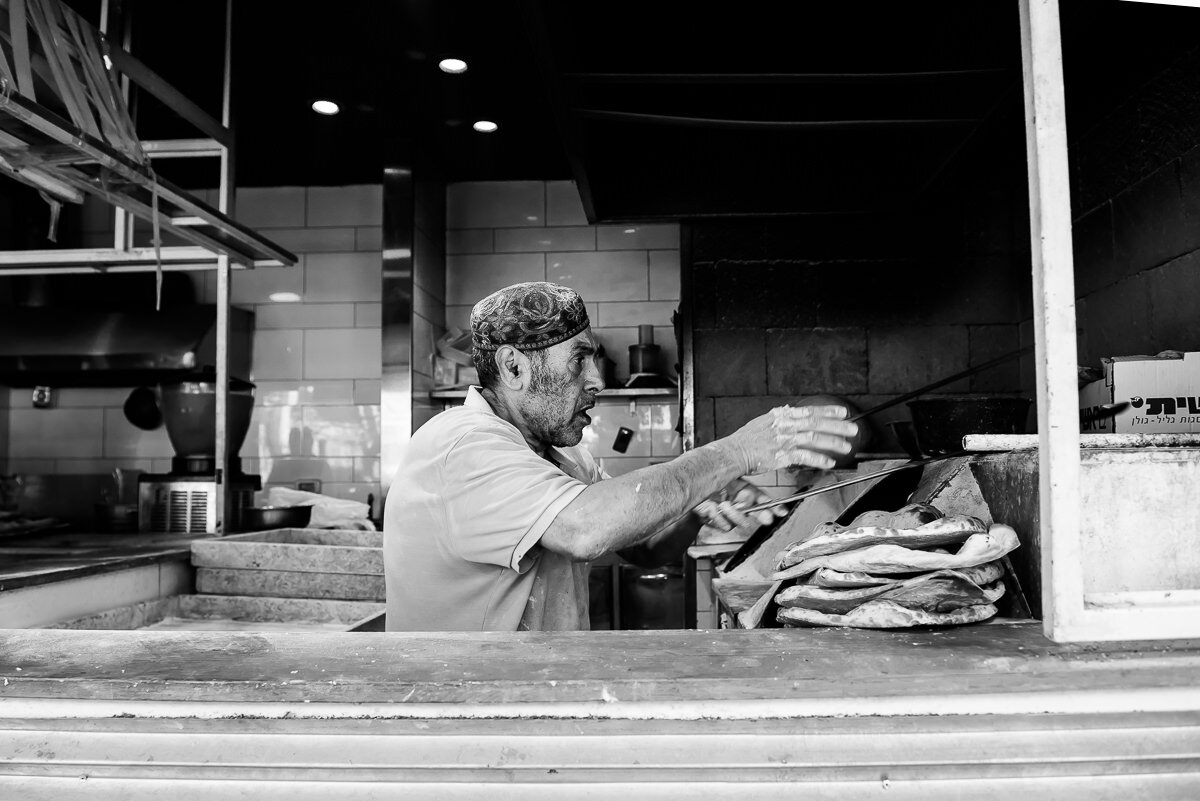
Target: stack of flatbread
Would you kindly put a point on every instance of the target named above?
(914, 567)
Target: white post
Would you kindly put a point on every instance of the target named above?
(1054, 314)
(225, 206)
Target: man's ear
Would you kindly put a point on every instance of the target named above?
(513, 366)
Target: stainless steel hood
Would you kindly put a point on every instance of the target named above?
(65, 347)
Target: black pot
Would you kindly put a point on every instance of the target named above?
(940, 423)
(141, 409)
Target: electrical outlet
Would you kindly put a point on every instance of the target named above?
(309, 485)
(43, 397)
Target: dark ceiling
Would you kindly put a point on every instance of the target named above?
(377, 60)
(660, 110)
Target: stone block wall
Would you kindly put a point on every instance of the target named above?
(864, 308)
(1136, 197)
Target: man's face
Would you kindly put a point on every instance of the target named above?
(564, 380)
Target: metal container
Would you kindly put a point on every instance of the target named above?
(652, 598)
(189, 409)
(116, 518)
(263, 518)
(643, 357)
(941, 422)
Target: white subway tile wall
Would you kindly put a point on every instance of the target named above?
(316, 361)
(496, 204)
(472, 277)
(563, 204)
(499, 233)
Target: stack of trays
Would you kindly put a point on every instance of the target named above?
(233, 613)
(289, 579)
(331, 564)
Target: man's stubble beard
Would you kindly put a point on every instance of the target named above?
(549, 399)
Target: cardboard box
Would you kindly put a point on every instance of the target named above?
(1163, 393)
(450, 375)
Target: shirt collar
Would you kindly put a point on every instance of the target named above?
(475, 400)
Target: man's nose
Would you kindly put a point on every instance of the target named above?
(594, 379)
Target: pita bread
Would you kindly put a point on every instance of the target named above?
(884, 615)
(833, 579)
(947, 530)
(890, 558)
(939, 591)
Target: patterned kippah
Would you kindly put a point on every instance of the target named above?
(530, 316)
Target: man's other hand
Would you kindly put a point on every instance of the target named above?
(723, 518)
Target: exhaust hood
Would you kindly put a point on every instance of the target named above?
(65, 347)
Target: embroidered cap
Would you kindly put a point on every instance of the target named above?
(531, 316)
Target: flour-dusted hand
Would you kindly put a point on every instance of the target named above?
(724, 520)
(791, 435)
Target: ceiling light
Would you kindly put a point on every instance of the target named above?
(452, 65)
(326, 107)
(485, 126)
(284, 297)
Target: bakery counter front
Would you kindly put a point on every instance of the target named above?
(981, 711)
(51, 576)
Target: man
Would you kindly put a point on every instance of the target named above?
(494, 513)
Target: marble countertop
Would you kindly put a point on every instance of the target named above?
(53, 556)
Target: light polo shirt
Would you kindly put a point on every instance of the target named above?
(462, 522)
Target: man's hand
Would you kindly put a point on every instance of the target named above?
(790, 435)
(723, 518)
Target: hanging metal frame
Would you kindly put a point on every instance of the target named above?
(91, 153)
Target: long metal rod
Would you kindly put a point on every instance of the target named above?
(147, 79)
(941, 382)
(709, 78)
(731, 124)
(182, 148)
(799, 496)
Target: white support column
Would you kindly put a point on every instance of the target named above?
(1054, 314)
(225, 206)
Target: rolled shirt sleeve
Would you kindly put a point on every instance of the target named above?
(500, 497)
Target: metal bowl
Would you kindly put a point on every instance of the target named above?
(261, 518)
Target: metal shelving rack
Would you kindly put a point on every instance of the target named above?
(97, 152)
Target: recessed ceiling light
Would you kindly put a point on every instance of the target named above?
(284, 297)
(452, 65)
(485, 126)
(326, 107)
